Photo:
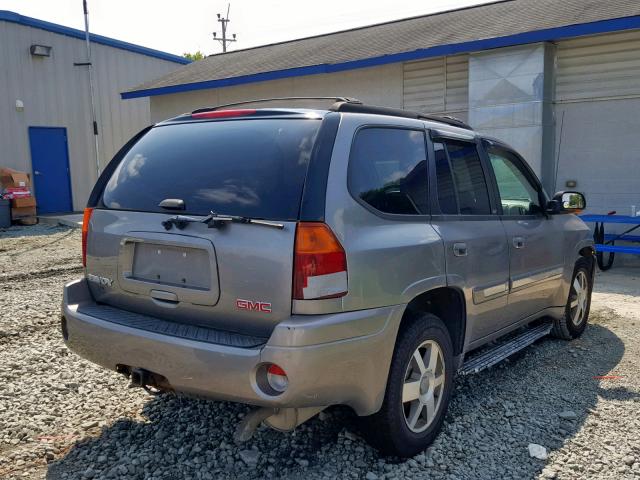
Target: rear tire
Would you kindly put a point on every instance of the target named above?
(605, 263)
(418, 390)
(576, 312)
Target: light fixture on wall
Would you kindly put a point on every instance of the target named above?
(40, 50)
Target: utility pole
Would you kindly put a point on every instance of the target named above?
(224, 40)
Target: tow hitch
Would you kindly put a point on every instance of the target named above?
(152, 383)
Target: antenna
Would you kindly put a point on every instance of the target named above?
(92, 94)
(224, 40)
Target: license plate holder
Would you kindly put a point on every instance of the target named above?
(185, 266)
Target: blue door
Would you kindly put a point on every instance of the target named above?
(50, 164)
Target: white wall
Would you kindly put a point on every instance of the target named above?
(377, 85)
(599, 147)
(597, 119)
(56, 94)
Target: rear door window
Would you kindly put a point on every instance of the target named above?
(388, 170)
(253, 168)
(462, 187)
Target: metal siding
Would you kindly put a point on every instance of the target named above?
(56, 93)
(601, 66)
(438, 85)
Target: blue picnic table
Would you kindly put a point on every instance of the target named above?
(605, 242)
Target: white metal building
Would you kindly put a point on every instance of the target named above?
(557, 79)
(45, 114)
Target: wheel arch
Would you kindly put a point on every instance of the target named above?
(448, 304)
(584, 249)
(588, 253)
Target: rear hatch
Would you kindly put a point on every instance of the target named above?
(222, 274)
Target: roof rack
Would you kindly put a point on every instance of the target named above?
(352, 105)
(337, 100)
(396, 112)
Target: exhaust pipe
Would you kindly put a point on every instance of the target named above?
(281, 419)
(251, 421)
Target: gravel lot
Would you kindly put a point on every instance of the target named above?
(61, 417)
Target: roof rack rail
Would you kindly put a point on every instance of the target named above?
(337, 100)
(396, 112)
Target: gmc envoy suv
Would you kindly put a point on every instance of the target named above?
(294, 259)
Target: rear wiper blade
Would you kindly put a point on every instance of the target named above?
(216, 220)
(213, 220)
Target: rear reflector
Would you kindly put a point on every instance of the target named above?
(86, 218)
(223, 113)
(320, 263)
(277, 378)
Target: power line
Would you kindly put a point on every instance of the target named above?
(224, 40)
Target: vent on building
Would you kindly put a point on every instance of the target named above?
(438, 85)
(597, 67)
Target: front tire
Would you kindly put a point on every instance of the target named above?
(576, 312)
(418, 390)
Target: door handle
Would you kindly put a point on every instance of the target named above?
(36, 172)
(460, 249)
(518, 242)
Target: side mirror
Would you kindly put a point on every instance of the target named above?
(567, 202)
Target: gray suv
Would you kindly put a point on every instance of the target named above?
(294, 259)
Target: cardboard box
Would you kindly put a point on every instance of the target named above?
(23, 202)
(10, 178)
(22, 212)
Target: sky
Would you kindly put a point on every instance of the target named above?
(187, 25)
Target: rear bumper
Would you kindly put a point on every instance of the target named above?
(330, 359)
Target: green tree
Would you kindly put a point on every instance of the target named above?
(194, 56)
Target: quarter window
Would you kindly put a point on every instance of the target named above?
(388, 170)
(518, 195)
(462, 187)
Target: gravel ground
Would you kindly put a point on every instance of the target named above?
(62, 417)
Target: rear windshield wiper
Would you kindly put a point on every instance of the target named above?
(213, 220)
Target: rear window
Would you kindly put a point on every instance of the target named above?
(253, 168)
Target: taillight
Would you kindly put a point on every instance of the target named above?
(85, 231)
(224, 113)
(320, 263)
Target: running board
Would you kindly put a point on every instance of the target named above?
(502, 350)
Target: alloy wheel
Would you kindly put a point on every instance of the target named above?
(579, 297)
(423, 387)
